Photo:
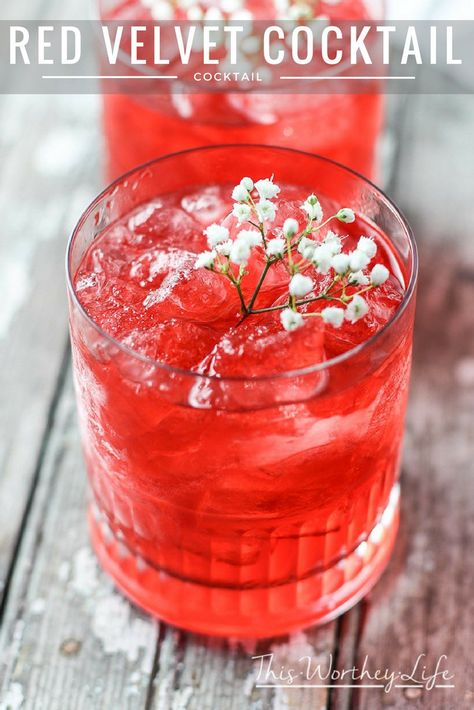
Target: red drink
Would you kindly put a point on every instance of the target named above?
(343, 127)
(244, 478)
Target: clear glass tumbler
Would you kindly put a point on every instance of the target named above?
(243, 506)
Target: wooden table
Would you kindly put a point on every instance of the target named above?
(69, 641)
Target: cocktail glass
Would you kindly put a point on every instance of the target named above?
(342, 126)
(243, 505)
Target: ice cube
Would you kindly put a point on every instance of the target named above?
(174, 342)
(150, 268)
(157, 224)
(208, 205)
(383, 302)
(260, 346)
(197, 295)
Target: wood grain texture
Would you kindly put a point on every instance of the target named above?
(68, 640)
(48, 175)
(49, 149)
(423, 604)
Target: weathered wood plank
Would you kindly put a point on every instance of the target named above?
(68, 639)
(206, 674)
(41, 194)
(49, 152)
(424, 602)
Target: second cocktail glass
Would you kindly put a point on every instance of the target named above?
(344, 127)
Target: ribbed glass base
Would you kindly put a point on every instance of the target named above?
(250, 612)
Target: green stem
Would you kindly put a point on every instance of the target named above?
(323, 224)
(267, 310)
(364, 290)
(289, 248)
(242, 300)
(259, 284)
(312, 315)
(236, 283)
(321, 297)
(259, 226)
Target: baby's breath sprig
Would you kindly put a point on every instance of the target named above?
(300, 251)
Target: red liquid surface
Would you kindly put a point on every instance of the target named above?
(212, 513)
(343, 127)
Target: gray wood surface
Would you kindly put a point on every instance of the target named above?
(49, 171)
(39, 200)
(67, 639)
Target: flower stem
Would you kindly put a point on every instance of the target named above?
(259, 284)
(237, 285)
(242, 300)
(323, 224)
(363, 290)
(321, 297)
(259, 226)
(267, 310)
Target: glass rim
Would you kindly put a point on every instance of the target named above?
(294, 373)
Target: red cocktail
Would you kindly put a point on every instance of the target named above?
(244, 476)
(343, 127)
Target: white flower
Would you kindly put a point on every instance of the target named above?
(290, 227)
(240, 193)
(300, 285)
(205, 260)
(340, 263)
(240, 252)
(242, 212)
(313, 208)
(242, 15)
(194, 14)
(161, 10)
(358, 260)
(213, 14)
(379, 275)
(333, 316)
(356, 309)
(291, 320)
(368, 246)
(276, 247)
(247, 183)
(322, 258)
(300, 12)
(224, 248)
(216, 234)
(230, 5)
(267, 189)
(251, 237)
(346, 215)
(358, 278)
(266, 211)
(306, 247)
(334, 242)
(183, 4)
